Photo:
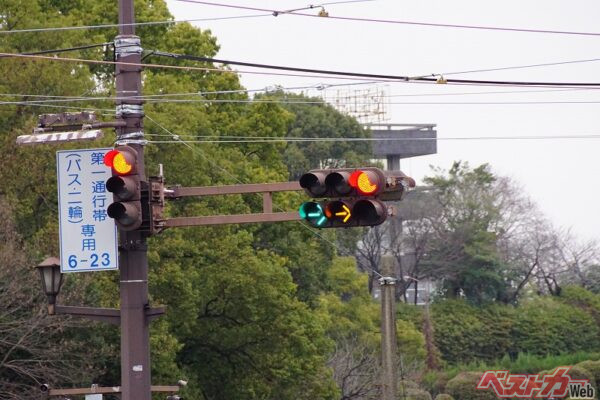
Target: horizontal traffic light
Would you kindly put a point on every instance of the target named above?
(355, 182)
(345, 182)
(344, 213)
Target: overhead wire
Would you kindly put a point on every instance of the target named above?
(386, 77)
(62, 99)
(224, 139)
(149, 23)
(164, 22)
(297, 69)
(398, 22)
(47, 102)
(330, 74)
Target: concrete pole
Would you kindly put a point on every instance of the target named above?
(388, 338)
(133, 262)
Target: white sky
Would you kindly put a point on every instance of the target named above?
(560, 175)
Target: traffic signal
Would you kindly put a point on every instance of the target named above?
(344, 182)
(125, 185)
(355, 196)
(344, 213)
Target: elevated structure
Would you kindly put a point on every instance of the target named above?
(414, 140)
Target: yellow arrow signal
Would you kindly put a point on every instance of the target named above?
(346, 213)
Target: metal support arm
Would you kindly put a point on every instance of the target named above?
(109, 315)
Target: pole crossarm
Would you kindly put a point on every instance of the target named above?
(106, 390)
(266, 189)
(232, 219)
(110, 315)
(176, 192)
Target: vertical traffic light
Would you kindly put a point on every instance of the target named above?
(125, 185)
(353, 196)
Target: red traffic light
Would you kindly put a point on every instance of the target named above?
(365, 182)
(122, 160)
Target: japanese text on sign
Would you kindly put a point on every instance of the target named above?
(88, 238)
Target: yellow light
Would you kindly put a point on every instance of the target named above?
(364, 184)
(120, 164)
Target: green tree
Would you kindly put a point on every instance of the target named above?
(464, 249)
(235, 313)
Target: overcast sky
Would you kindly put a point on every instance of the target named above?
(562, 176)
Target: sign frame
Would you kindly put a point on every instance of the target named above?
(88, 185)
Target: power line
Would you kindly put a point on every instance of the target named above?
(62, 99)
(381, 76)
(518, 67)
(76, 48)
(388, 21)
(42, 103)
(329, 74)
(320, 86)
(34, 104)
(102, 26)
(313, 6)
(330, 139)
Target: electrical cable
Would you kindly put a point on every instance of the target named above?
(376, 76)
(518, 67)
(314, 102)
(344, 75)
(329, 100)
(85, 47)
(102, 26)
(387, 21)
(418, 139)
(313, 6)
(320, 86)
(33, 104)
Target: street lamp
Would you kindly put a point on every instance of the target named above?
(51, 280)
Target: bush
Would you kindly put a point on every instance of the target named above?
(594, 368)
(464, 387)
(583, 299)
(435, 381)
(464, 333)
(578, 372)
(444, 396)
(547, 326)
(416, 394)
(405, 385)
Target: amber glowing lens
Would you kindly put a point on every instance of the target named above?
(120, 164)
(365, 185)
(361, 181)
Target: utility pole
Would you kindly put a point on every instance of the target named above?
(133, 260)
(388, 337)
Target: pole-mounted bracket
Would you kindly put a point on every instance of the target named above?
(126, 110)
(131, 138)
(127, 45)
(387, 280)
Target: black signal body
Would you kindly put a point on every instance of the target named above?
(354, 196)
(126, 187)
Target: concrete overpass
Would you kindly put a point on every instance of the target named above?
(414, 140)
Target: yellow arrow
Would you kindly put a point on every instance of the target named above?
(345, 213)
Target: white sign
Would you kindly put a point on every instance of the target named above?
(93, 397)
(88, 236)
